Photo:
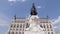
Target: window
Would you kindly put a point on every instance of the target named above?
(11, 25)
(20, 25)
(47, 26)
(17, 29)
(19, 32)
(14, 25)
(51, 29)
(23, 25)
(23, 29)
(41, 26)
(51, 32)
(22, 32)
(27, 25)
(44, 25)
(17, 25)
(48, 32)
(12, 32)
(8, 32)
(50, 26)
(10, 28)
(16, 32)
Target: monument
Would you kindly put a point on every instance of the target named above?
(31, 25)
(34, 27)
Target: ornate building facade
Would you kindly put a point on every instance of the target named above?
(31, 25)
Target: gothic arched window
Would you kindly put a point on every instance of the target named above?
(20, 25)
(16, 32)
(41, 26)
(48, 32)
(8, 32)
(19, 32)
(12, 32)
(27, 25)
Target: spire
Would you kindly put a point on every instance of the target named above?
(15, 17)
(47, 17)
(33, 10)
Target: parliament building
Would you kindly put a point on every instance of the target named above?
(31, 25)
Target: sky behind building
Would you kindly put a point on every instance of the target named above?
(22, 8)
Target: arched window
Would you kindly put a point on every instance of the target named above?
(23, 25)
(11, 25)
(19, 32)
(51, 32)
(41, 26)
(27, 25)
(16, 32)
(20, 25)
(51, 29)
(12, 32)
(14, 25)
(48, 32)
(50, 26)
(22, 32)
(8, 32)
(17, 25)
(47, 26)
(44, 25)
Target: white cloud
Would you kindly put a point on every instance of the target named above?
(4, 20)
(11, 0)
(23, 0)
(39, 6)
(55, 27)
(2, 32)
(16, 0)
(59, 27)
(3, 23)
(55, 21)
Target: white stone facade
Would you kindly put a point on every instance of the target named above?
(31, 25)
(20, 25)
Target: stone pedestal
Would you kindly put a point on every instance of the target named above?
(30, 32)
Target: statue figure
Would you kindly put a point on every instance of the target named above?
(34, 27)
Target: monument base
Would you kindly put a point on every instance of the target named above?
(31, 32)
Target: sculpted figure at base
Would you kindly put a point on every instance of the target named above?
(34, 27)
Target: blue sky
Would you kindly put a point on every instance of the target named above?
(8, 8)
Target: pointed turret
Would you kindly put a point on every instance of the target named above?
(15, 17)
(33, 10)
(47, 17)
